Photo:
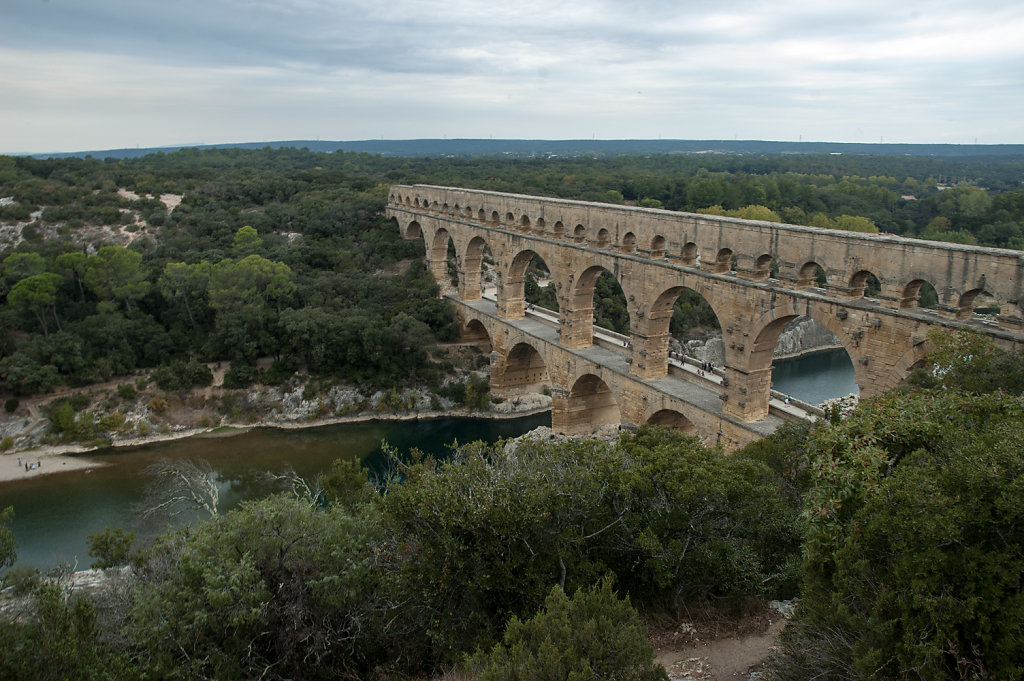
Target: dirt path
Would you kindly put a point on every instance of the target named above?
(724, 659)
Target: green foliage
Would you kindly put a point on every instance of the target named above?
(61, 640)
(680, 520)
(913, 544)
(275, 589)
(182, 375)
(11, 405)
(126, 391)
(970, 361)
(241, 375)
(593, 635)
(110, 548)
(8, 547)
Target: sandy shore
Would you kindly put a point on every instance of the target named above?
(63, 458)
(43, 460)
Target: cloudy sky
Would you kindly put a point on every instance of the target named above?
(98, 74)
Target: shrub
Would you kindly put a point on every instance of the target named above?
(241, 375)
(126, 391)
(594, 635)
(914, 542)
(179, 375)
(110, 547)
(11, 405)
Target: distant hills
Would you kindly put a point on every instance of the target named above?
(515, 148)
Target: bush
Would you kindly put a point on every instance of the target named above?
(126, 391)
(595, 635)
(110, 547)
(22, 578)
(914, 542)
(11, 405)
(180, 375)
(241, 375)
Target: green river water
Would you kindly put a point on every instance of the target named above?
(54, 513)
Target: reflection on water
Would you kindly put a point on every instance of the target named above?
(815, 378)
(54, 513)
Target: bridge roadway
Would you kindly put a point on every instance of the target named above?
(693, 403)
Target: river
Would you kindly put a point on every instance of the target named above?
(54, 513)
(816, 377)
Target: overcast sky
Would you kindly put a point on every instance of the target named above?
(98, 74)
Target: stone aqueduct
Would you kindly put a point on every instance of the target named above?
(656, 254)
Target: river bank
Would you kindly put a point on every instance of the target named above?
(50, 459)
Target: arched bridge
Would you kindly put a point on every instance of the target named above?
(756, 276)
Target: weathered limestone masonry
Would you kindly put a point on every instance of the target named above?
(655, 254)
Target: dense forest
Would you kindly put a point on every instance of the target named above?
(898, 527)
(284, 253)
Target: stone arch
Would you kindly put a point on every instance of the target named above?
(865, 284)
(434, 207)
(690, 253)
(437, 255)
(585, 310)
(524, 223)
(811, 274)
(723, 261)
(481, 216)
(471, 281)
(495, 218)
(967, 304)
(523, 370)
(474, 331)
(413, 231)
(510, 218)
(918, 293)
(766, 331)
(590, 403)
(658, 246)
(762, 267)
(658, 327)
(579, 234)
(558, 229)
(629, 243)
(408, 202)
(604, 238)
(539, 226)
(670, 418)
(444, 209)
(513, 295)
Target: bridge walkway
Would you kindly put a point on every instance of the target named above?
(610, 340)
(543, 326)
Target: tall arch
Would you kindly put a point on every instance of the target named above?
(471, 281)
(523, 370)
(656, 326)
(512, 303)
(437, 255)
(590, 403)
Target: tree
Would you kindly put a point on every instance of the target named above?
(275, 589)
(913, 541)
(115, 274)
(180, 486)
(247, 241)
(180, 281)
(8, 554)
(110, 548)
(74, 264)
(594, 635)
(18, 266)
(37, 293)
